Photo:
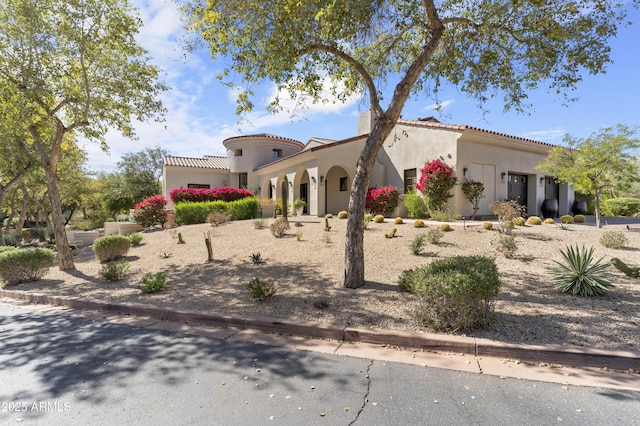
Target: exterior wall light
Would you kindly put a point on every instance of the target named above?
(503, 175)
(321, 179)
(541, 180)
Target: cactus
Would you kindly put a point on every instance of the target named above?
(623, 267)
(180, 240)
(285, 197)
(327, 227)
(207, 242)
(391, 234)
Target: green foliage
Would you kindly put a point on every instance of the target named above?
(154, 283)
(614, 240)
(150, 212)
(418, 244)
(398, 221)
(436, 182)
(456, 293)
(343, 215)
(6, 248)
(111, 247)
(444, 216)
(487, 225)
(135, 238)
(382, 200)
(298, 224)
(534, 220)
(378, 218)
(391, 234)
(579, 218)
(579, 275)
(434, 236)
(566, 219)
(116, 270)
(142, 171)
(507, 246)
(621, 206)
(24, 265)
(416, 208)
(279, 227)
(189, 213)
(246, 208)
(473, 191)
(260, 289)
(256, 258)
(629, 271)
(259, 223)
(418, 223)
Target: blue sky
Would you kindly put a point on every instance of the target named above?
(201, 111)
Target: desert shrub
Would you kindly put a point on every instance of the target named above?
(416, 208)
(506, 210)
(259, 223)
(436, 182)
(620, 206)
(566, 219)
(398, 221)
(382, 200)
(279, 227)
(298, 224)
(519, 221)
(378, 218)
(153, 283)
(216, 219)
(507, 246)
(457, 293)
(445, 227)
(111, 247)
(614, 240)
(549, 221)
(189, 213)
(434, 235)
(150, 212)
(328, 216)
(256, 258)
(418, 223)
(579, 218)
(579, 275)
(343, 215)
(6, 248)
(195, 195)
(260, 289)
(24, 265)
(11, 240)
(135, 238)
(418, 244)
(115, 270)
(487, 225)
(534, 220)
(444, 216)
(298, 235)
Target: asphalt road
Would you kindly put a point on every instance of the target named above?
(59, 369)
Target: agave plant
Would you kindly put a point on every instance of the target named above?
(579, 274)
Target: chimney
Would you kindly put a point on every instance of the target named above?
(366, 121)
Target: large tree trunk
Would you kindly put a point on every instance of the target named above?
(354, 245)
(23, 212)
(65, 259)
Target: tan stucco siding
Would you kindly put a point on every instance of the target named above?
(181, 177)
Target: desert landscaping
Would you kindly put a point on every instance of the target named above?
(307, 270)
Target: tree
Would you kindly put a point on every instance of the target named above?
(77, 69)
(360, 46)
(603, 161)
(142, 172)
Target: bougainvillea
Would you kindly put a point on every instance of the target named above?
(436, 182)
(382, 200)
(151, 212)
(196, 195)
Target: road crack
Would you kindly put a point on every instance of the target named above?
(366, 395)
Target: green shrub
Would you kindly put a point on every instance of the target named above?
(259, 223)
(298, 224)
(434, 235)
(418, 243)
(11, 240)
(507, 246)
(518, 221)
(549, 221)
(621, 206)
(534, 220)
(153, 283)
(398, 221)
(418, 223)
(487, 225)
(456, 293)
(443, 216)
(111, 247)
(416, 208)
(260, 289)
(566, 219)
(246, 208)
(279, 227)
(614, 240)
(579, 218)
(115, 270)
(579, 275)
(6, 248)
(328, 216)
(444, 227)
(189, 213)
(343, 215)
(135, 238)
(378, 218)
(24, 265)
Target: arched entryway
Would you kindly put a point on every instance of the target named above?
(337, 184)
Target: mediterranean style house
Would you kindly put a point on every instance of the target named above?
(321, 171)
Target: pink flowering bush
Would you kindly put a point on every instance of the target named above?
(436, 182)
(151, 212)
(198, 195)
(382, 200)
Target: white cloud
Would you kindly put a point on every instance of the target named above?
(439, 106)
(550, 136)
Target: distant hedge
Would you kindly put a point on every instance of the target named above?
(621, 206)
(188, 213)
(196, 195)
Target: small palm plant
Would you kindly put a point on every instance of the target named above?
(579, 274)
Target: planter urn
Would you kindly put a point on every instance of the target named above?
(549, 208)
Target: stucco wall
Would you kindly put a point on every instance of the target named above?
(180, 177)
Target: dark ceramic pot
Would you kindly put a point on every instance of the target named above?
(549, 208)
(579, 207)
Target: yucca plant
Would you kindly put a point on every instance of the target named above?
(579, 274)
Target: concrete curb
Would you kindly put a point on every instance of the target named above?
(555, 354)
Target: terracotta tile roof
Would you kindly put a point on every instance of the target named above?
(263, 135)
(206, 162)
